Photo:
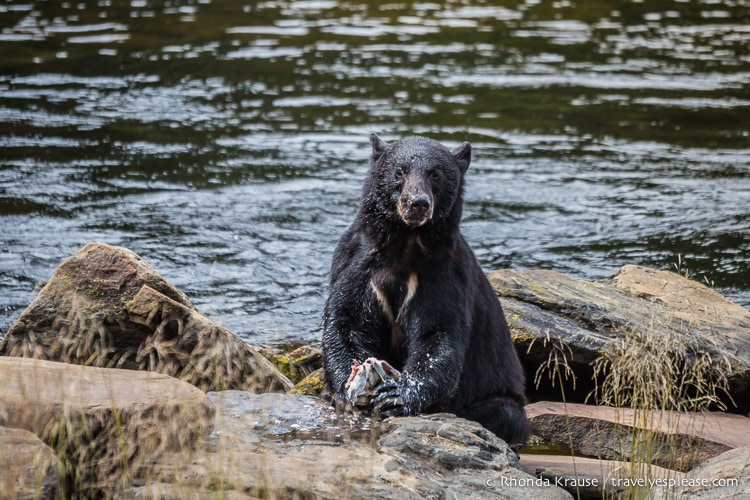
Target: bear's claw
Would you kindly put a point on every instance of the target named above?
(389, 401)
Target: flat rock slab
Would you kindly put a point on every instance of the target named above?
(28, 467)
(107, 307)
(105, 424)
(295, 446)
(547, 308)
(681, 440)
(591, 478)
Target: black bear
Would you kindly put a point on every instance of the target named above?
(406, 288)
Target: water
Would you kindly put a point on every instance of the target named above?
(226, 141)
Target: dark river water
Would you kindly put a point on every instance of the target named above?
(226, 141)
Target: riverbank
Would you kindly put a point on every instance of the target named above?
(169, 403)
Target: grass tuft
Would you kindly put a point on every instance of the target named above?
(666, 381)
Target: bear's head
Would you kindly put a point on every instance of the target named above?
(416, 181)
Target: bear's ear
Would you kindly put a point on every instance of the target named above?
(463, 156)
(378, 147)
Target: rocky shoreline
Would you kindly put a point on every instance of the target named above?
(116, 386)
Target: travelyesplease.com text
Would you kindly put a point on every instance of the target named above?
(611, 482)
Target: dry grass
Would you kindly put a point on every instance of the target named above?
(666, 381)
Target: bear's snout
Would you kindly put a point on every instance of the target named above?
(415, 208)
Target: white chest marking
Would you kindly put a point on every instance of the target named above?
(411, 290)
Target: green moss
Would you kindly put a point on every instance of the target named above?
(540, 289)
(312, 385)
(522, 337)
(284, 365)
(294, 365)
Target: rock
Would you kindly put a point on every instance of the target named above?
(295, 365)
(465, 460)
(106, 425)
(549, 311)
(688, 300)
(678, 441)
(105, 306)
(591, 478)
(249, 418)
(28, 467)
(440, 438)
(187, 345)
(312, 385)
(724, 476)
(275, 445)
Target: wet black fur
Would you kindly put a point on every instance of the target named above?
(451, 340)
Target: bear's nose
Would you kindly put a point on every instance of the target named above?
(419, 204)
(415, 206)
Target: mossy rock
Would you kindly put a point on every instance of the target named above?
(297, 364)
(312, 385)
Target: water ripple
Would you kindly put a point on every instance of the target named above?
(227, 142)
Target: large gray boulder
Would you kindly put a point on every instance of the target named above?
(107, 307)
(552, 314)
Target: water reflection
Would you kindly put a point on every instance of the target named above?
(226, 141)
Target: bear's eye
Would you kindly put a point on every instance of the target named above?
(398, 174)
(434, 175)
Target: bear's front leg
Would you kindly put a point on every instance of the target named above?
(349, 335)
(429, 378)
